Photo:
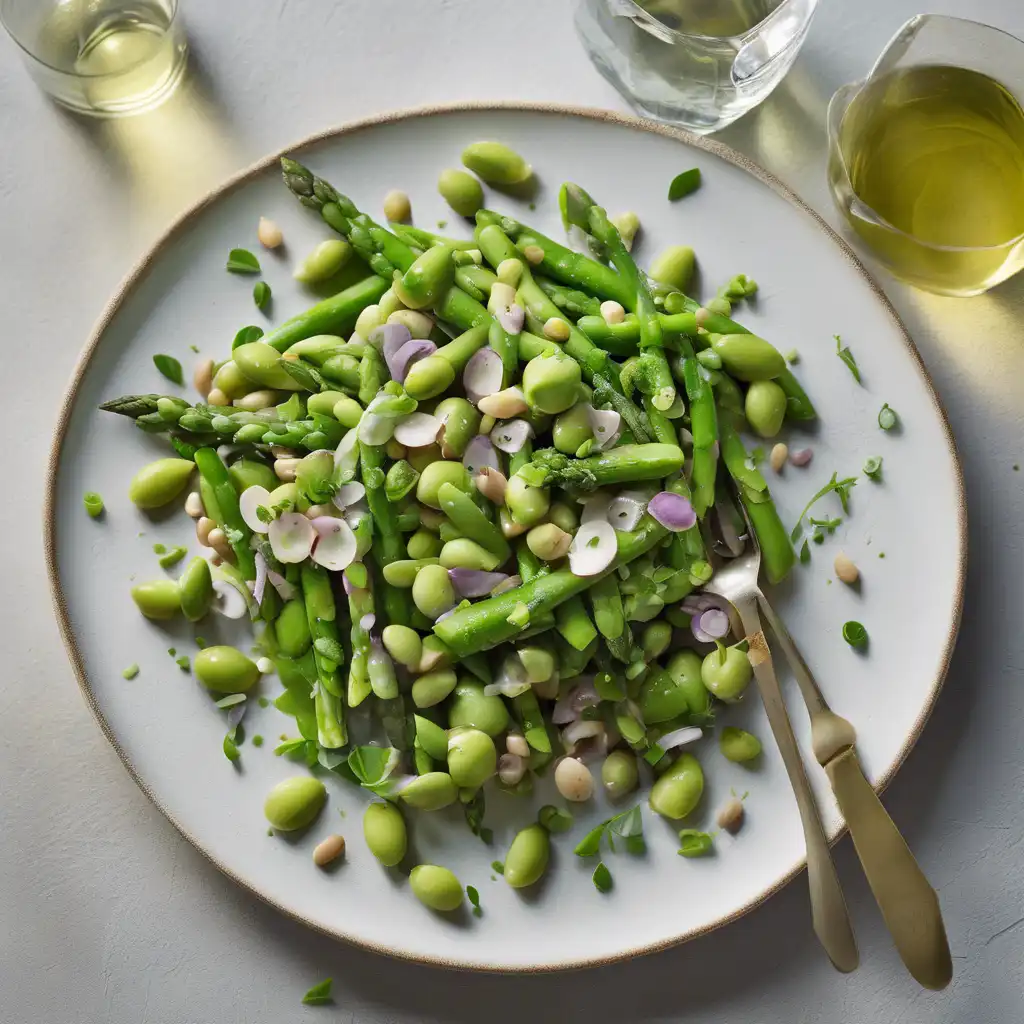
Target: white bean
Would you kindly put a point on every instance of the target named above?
(203, 527)
(503, 405)
(285, 469)
(511, 768)
(613, 312)
(556, 329)
(730, 817)
(194, 505)
(329, 850)
(574, 780)
(516, 744)
(202, 377)
(419, 324)
(397, 206)
(491, 483)
(534, 253)
(217, 397)
(269, 234)
(218, 540)
(846, 570)
(777, 459)
(256, 401)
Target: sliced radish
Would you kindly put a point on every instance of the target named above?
(511, 435)
(231, 602)
(411, 352)
(374, 429)
(606, 425)
(480, 453)
(483, 374)
(389, 338)
(673, 511)
(581, 729)
(347, 451)
(593, 548)
(625, 512)
(292, 536)
(715, 623)
(595, 508)
(367, 622)
(261, 578)
(511, 318)
(680, 737)
(417, 430)
(348, 494)
(335, 547)
(475, 582)
(354, 514)
(285, 590)
(249, 501)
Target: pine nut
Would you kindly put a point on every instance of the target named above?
(194, 505)
(509, 527)
(730, 817)
(397, 206)
(516, 744)
(509, 272)
(534, 253)
(329, 850)
(491, 483)
(255, 401)
(846, 570)
(203, 528)
(269, 234)
(613, 312)
(285, 469)
(202, 377)
(503, 405)
(777, 459)
(511, 768)
(556, 329)
(573, 780)
(218, 540)
(217, 397)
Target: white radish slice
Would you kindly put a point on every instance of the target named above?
(346, 447)
(285, 590)
(715, 623)
(606, 425)
(593, 548)
(676, 409)
(511, 318)
(249, 501)
(624, 512)
(292, 536)
(261, 578)
(335, 547)
(389, 338)
(230, 602)
(475, 582)
(348, 494)
(374, 429)
(582, 729)
(483, 374)
(501, 296)
(596, 507)
(480, 453)
(698, 634)
(511, 435)
(354, 514)
(680, 737)
(417, 430)
(409, 353)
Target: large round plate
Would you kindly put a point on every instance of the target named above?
(812, 288)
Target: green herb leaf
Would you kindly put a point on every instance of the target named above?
(290, 747)
(184, 663)
(246, 335)
(497, 867)
(887, 418)
(805, 553)
(302, 373)
(694, 843)
(630, 823)
(230, 700)
(474, 813)
(847, 357)
(590, 844)
(261, 294)
(93, 504)
(738, 287)
(855, 635)
(130, 672)
(474, 899)
(328, 648)
(873, 468)
(554, 819)
(683, 184)
(842, 488)
(602, 878)
(264, 515)
(170, 368)
(372, 765)
(229, 747)
(241, 261)
(319, 995)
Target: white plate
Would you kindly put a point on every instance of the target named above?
(812, 287)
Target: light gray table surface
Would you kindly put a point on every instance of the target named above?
(105, 913)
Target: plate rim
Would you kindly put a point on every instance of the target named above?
(142, 267)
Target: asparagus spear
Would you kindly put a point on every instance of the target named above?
(320, 614)
(229, 518)
(360, 603)
(569, 300)
(626, 463)
(335, 315)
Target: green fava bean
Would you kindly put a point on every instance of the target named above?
(295, 803)
(432, 591)
(404, 571)
(195, 589)
(432, 687)
(225, 669)
(430, 792)
(437, 473)
(471, 708)
(348, 412)
(423, 544)
(261, 364)
(685, 669)
(431, 738)
(463, 553)
(318, 349)
(461, 191)
(403, 644)
(159, 483)
(160, 599)
(472, 758)
(620, 774)
(385, 833)
(655, 640)
(428, 378)
(324, 261)
(738, 744)
(292, 629)
(247, 473)
(527, 857)
(674, 267)
(461, 423)
(748, 357)
(436, 887)
(323, 404)
(765, 407)
(679, 789)
(496, 163)
(726, 673)
(231, 381)
(572, 429)
(551, 382)
(288, 492)
(563, 516)
(528, 505)
(661, 697)
(426, 281)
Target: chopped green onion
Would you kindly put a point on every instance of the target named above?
(887, 418)
(497, 867)
(257, 740)
(873, 467)
(684, 183)
(93, 504)
(159, 549)
(855, 635)
(241, 261)
(130, 672)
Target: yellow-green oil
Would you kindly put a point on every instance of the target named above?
(715, 18)
(937, 152)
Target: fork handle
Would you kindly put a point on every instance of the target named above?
(828, 907)
(908, 903)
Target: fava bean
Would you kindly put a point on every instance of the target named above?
(195, 588)
(403, 572)
(551, 382)
(436, 887)
(748, 357)
(685, 669)
(738, 745)
(461, 191)
(385, 833)
(403, 644)
(461, 423)
(432, 591)
(324, 261)
(678, 791)
(527, 857)
(765, 407)
(160, 599)
(432, 687)
(431, 738)
(463, 553)
(292, 629)
(159, 483)
(496, 163)
(472, 758)
(348, 412)
(430, 792)
(261, 364)
(224, 669)
(528, 505)
(247, 473)
(437, 473)
(661, 697)
(323, 404)
(674, 267)
(294, 803)
(726, 673)
(619, 774)
(471, 708)
(423, 544)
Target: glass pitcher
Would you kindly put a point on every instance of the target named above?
(926, 155)
(696, 63)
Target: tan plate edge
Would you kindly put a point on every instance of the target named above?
(141, 269)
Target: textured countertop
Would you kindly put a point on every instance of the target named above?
(107, 915)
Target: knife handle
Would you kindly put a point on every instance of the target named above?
(908, 903)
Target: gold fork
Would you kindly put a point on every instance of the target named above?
(909, 905)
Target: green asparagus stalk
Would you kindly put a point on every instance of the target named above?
(574, 625)
(626, 463)
(229, 518)
(569, 300)
(320, 614)
(360, 603)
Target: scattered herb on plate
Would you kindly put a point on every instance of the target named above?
(241, 261)
(319, 994)
(130, 672)
(855, 635)
(847, 357)
(93, 504)
(261, 294)
(170, 368)
(694, 843)
(684, 183)
(474, 899)
(245, 335)
(887, 418)
(872, 468)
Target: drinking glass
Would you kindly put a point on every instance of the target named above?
(696, 63)
(105, 58)
(937, 42)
